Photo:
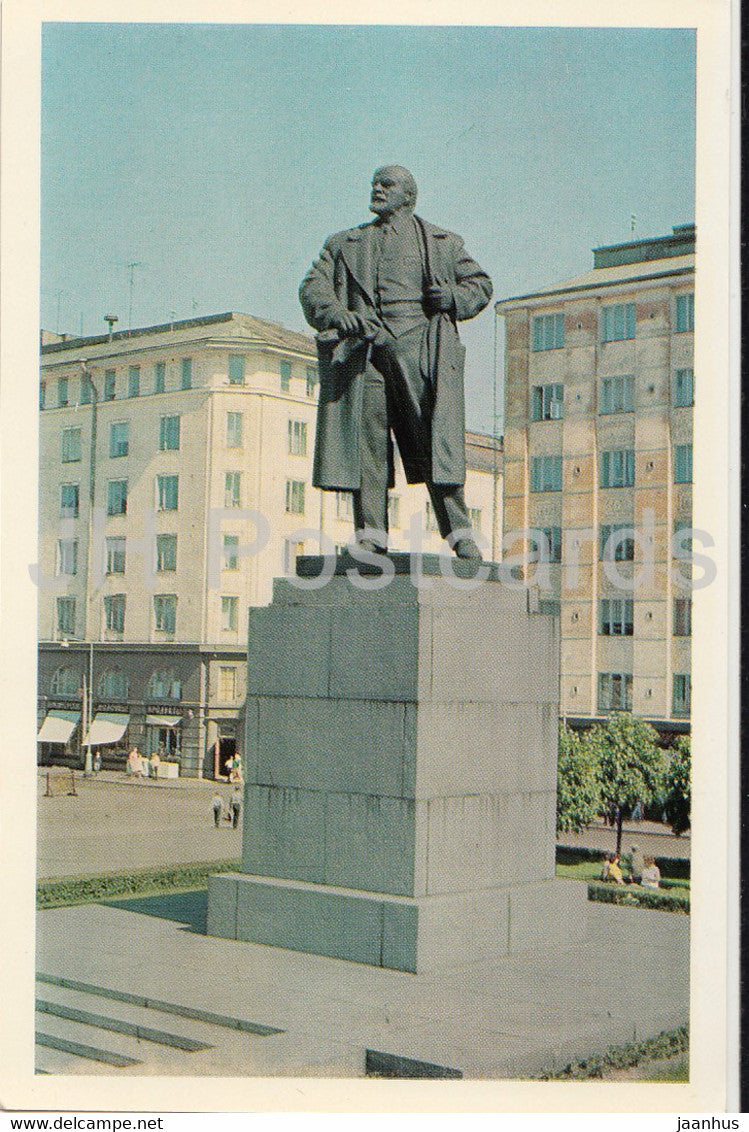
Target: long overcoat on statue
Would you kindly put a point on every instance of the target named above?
(344, 279)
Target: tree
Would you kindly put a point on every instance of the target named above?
(679, 786)
(578, 785)
(632, 766)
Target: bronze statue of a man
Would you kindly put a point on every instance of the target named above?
(386, 297)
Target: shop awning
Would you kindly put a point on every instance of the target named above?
(108, 727)
(58, 726)
(163, 720)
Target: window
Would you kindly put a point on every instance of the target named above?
(119, 439)
(546, 473)
(618, 394)
(431, 518)
(66, 615)
(169, 434)
(344, 506)
(167, 493)
(394, 511)
(548, 332)
(618, 322)
(297, 438)
(614, 691)
(69, 500)
(166, 554)
(86, 389)
(233, 430)
(66, 682)
(474, 514)
(67, 556)
(164, 686)
(682, 617)
(291, 551)
(229, 608)
(42, 394)
(116, 554)
(186, 373)
(117, 497)
(62, 392)
(295, 497)
(311, 381)
(236, 369)
(551, 550)
(616, 617)
(227, 684)
(617, 542)
(165, 612)
(159, 377)
(232, 489)
(285, 376)
(682, 544)
(684, 388)
(133, 381)
(71, 445)
(114, 613)
(231, 552)
(682, 697)
(109, 384)
(684, 313)
(683, 463)
(113, 685)
(618, 468)
(547, 402)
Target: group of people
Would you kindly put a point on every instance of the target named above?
(233, 807)
(141, 767)
(634, 869)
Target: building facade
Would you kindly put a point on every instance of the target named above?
(599, 393)
(175, 485)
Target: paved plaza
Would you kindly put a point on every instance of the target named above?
(117, 823)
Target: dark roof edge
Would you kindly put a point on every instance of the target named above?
(593, 286)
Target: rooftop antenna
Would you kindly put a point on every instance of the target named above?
(131, 268)
(632, 223)
(110, 320)
(173, 315)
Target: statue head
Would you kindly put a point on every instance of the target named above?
(393, 189)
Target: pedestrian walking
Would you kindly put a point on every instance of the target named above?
(218, 806)
(236, 806)
(155, 763)
(97, 762)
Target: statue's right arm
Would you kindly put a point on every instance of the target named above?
(320, 303)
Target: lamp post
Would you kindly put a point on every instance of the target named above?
(88, 762)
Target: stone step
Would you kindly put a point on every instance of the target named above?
(119, 1025)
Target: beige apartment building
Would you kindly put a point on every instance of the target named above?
(175, 485)
(599, 388)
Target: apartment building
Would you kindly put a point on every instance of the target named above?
(599, 393)
(175, 485)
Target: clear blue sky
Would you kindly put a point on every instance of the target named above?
(220, 157)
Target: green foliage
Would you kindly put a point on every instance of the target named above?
(669, 1043)
(88, 889)
(578, 783)
(636, 897)
(678, 784)
(632, 765)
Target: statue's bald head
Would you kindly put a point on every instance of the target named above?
(393, 188)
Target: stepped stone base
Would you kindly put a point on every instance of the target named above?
(400, 761)
(402, 933)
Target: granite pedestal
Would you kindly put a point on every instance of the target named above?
(400, 771)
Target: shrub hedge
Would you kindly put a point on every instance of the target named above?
(668, 1043)
(675, 868)
(86, 889)
(639, 897)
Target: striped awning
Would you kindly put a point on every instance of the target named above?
(163, 720)
(108, 727)
(58, 726)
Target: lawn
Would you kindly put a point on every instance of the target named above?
(591, 871)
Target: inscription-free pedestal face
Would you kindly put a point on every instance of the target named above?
(401, 774)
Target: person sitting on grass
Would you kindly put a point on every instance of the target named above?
(606, 865)
(636, 864)
(615, 872)
(651, 874)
